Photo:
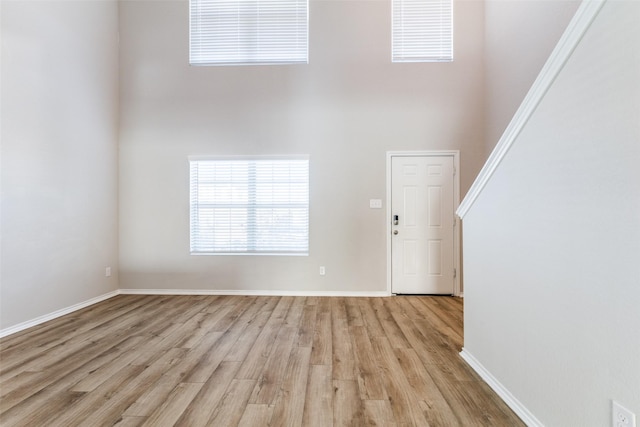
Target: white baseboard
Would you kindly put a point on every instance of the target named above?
(38, 320)
(521, 411)
(252, 293)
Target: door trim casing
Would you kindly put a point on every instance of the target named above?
(456, 202)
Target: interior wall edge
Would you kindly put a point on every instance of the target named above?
(575, 31)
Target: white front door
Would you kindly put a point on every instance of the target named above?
(422, 215)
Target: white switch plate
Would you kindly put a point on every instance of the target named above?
(375, 204)
(107, 272)
(323, 271)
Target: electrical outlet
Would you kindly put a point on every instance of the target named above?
(621, 416)
(323, 271)
(107, 272)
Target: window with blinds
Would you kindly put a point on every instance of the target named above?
(422, 31)
(233, 32)
(250, 206)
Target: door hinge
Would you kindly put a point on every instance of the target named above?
(455, 273)
(454, 171)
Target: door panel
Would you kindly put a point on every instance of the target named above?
(422, 247)
(434, 204)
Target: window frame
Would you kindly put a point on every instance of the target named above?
(425, 52)
(265, 40)
(251, 248)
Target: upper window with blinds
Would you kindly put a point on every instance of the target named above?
(250, 206)
(244, 32)
(422, 31)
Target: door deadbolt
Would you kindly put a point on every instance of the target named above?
(395, 231)
(395, 220)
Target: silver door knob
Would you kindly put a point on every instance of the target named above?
(395, 231)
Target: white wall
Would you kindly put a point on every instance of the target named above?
(345, 109)
(59, 155)
(519, 37)
(552, 244)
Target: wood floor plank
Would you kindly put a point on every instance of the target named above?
(437, 323)
(370, 382)
(112, 409)
(378, 413)
(493, 409)
(29, 414)
(435, 408)
(129, 422)
(230, 410)
(40, 337)
(75, 414)
(203, 406)
(403, 400)
(221, 360)
(61, 351)
(256, 415)
(294, 315)
(105, 372)
(272, 375)
(64, 373)
(307, 326)
(202, 324)
(321, 353)
(318, 406)
(194, 305)
(174, 405)
(422, 340)
(463, 400)
(451, 311)
(344, 363)
(391, 329)
(238, 309)
(354, 315)
(260, 351)
(348, 408)
(247, 338)
(155, 394)
(289, 407)
(442, 348)
(208, 362)
(313, 300)
(432, 344)
(22, 379)
(370, 319)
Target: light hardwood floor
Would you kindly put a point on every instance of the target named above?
(248, 361)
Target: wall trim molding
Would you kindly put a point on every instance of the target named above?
(252, 293)
(58, 313)
(572, 36)
(521, 411)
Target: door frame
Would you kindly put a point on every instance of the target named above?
(455, 154)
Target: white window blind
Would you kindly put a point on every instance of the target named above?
(227, 32)
(250, 206)
(422, 30)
